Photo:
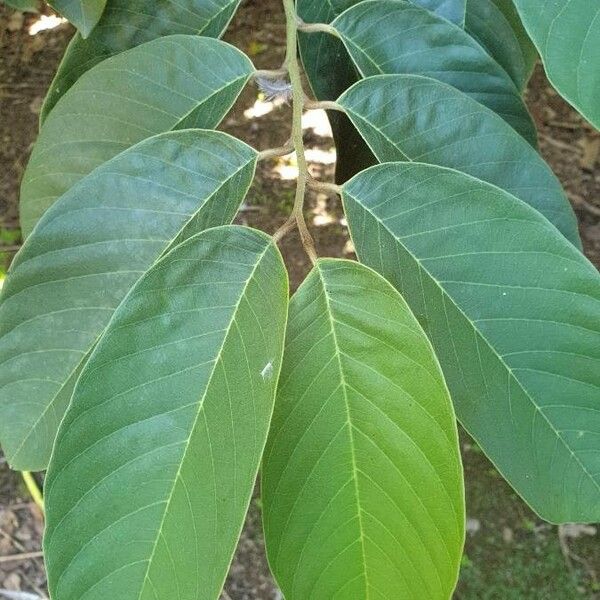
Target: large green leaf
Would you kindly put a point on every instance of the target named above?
(407, 117)
(86, 252)
(566, 33)
(156, 459)
(174, 82)
(496, 25)
(361, 481)
(129, 23)
(84, 14)
(513, 312)
(391, 36)
(330, 72)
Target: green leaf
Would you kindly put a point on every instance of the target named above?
(125, 99)
(453, 10)
(84, 14)
(362, 480)
(566, 33)
(157, 457)
(391, 36)
(86, 252)
(330, 72)
(406, 117)
(513, 312)
(126, 24)
(496, 25)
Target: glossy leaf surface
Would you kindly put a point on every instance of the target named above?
(392, 36)
(361, 481)
(566, 33)
(125, 99)
(157, 457)
(513, 312)
(84, 14)
(126, 24)
(496, 25)
(87, 251)
(405, 117)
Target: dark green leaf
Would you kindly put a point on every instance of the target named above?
(496, 25)
(567, 34)
(84, 14)
(157, 457)
(391, 36)
(362, 481)
(513, 312)
(86, 252)
(330, 72)
(129, 23)
(405, 117)
(125, 99)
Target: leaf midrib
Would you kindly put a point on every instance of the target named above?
(350, 429)
(201, 401)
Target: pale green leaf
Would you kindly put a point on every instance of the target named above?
(129, 23)
(157, 457)
(496, 25)
(86, 252)
(361, 480)
(513, 312)
(406, 117)
(391, 36)
(84, 14)
(125, 99)
(567, 34)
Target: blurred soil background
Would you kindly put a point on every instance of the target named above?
(510, 554)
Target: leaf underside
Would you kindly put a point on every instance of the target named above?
(125, 99)
(496, 25)
(512, 310)
(86, 252)
(406, 117)
(361, 481)
(396, 37)
(84, 14)
(566, 33)
(156, 459)
(126, 24)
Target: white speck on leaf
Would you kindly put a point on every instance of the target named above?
(267, 372)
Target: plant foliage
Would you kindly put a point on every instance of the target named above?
(142, 335)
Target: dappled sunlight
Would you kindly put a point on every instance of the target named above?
(317, 121)
(263, 107)
(46, 22)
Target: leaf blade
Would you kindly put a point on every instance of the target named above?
(187, 508)
(405, 117)
(381, 37)
(84, 14)
(124, 100)
(496, 25)
(565, 33)
(357, 442)
(488, 277)
(126, 24)
(86, 253)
